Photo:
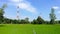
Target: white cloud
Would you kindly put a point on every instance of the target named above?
(25, 5)
(16, 1)
(55, 7)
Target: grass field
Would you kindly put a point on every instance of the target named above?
(29, 29)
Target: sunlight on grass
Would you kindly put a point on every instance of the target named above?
(28, 29)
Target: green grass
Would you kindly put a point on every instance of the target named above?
(28, 29)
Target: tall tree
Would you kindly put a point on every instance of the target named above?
(52, 16)
(2, 12)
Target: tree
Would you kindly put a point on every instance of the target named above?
(27, 20)
(47, 22)
(52, 16)
(2, 12)
(59, 21)
(22, 22)
(40, 20)
(34, 22)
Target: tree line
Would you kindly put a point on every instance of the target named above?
(39, 20)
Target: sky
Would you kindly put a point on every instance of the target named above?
(31, 8)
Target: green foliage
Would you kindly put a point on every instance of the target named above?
(47, 22)
(26, 21)
(57, 22)
(52, 16)
(1, 13)
(34, 22)
(39, 20)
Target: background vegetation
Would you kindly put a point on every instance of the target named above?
(39, 20)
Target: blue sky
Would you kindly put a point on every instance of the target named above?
(31, 8)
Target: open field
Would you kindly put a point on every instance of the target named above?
(29, 29)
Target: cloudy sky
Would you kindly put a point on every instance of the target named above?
(31, 8)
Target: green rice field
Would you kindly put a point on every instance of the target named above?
(29, 29)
